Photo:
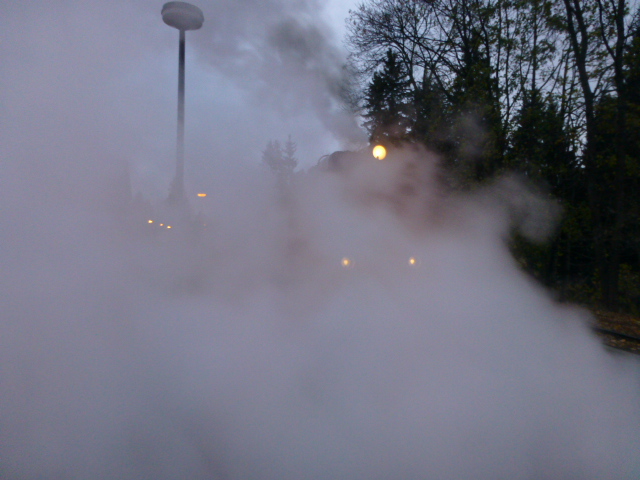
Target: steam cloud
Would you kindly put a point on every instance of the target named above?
(284, 54)
(250, 351)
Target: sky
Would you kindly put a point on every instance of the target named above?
(256, 71)
(252, 349)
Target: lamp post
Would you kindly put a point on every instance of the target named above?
(183, 16)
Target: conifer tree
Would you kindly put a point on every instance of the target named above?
(272, 156)
(290, 162)
(280, 160)
(386, 103)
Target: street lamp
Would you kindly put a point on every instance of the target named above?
(183, 16)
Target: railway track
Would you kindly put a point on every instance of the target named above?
(618, 340)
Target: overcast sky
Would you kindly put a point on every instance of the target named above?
(104, 74)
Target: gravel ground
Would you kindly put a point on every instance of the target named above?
(618, 330)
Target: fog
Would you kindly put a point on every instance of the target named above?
(248, 349)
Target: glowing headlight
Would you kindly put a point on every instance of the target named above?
(379, 152)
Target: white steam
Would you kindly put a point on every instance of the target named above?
(250, 351)
(284, 54)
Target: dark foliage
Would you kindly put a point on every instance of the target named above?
(549, 89)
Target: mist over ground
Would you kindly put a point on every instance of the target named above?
(250, 350)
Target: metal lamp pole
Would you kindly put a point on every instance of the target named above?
(183, 16)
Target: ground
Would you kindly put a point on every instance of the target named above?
(618, 330)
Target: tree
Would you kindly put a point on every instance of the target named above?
(612, 24)
(386, 101)
(281, 160)
(541, 149)
(441, 50)
(289, 160)
(430, 120)
(474, 97)
(272, 156)
(552, 87)
(540, 146)
(402, 26)
(599, 39)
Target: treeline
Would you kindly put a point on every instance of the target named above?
(547, 88)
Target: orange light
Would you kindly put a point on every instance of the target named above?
(149, 221)
(202, 194)
(413, 261)
(162, 224)
(346, 262)
(379, 152)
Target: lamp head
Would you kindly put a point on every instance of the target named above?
(182, 15)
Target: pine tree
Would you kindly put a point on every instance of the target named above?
(290, 162)
(272, 156)
(281, 161)
(386, 103)
(540, 145)
(479, 134)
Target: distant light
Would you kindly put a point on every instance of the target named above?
(162, 224)
(168, 226)
(346, 262)
(202, 194)
(149, 221)
(413, 261)
(379, 152)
